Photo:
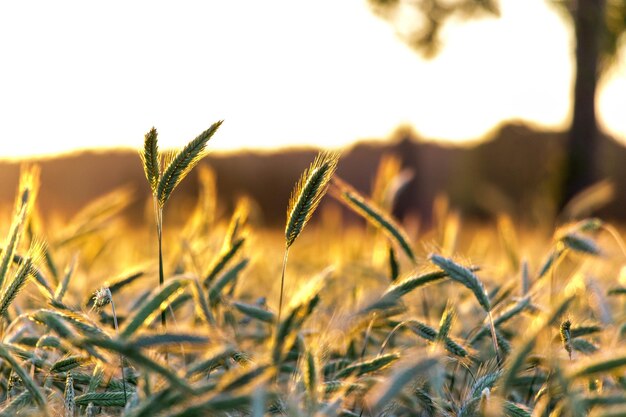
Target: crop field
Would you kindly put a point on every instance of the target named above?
(325, 317)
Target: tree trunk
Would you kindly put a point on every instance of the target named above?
(580, 169)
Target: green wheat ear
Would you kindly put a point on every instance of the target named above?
(182, 163)
(305, 198)
(308, 193)
(150, 159)
(162, 183)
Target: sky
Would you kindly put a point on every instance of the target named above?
(79, 75)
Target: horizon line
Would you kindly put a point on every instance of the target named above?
(401, 132)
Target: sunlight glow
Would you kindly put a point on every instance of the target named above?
(279, 72)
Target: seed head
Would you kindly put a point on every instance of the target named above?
(102, 297)
(566, 336)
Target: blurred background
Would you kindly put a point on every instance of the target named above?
(498, 105)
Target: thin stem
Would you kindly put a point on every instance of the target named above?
(158, 210)
(367, 336)
(494, 338)
(117, 331)
(282, 285)
(363, 351)
(390, 335)
(529, 395)
(159, 225)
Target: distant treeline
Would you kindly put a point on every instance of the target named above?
(518, 171)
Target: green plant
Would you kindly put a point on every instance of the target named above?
(349, 341)
(164, 175)
(305, 198)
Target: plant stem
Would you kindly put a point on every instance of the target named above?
(159, 224)
(390, 335)
(282, 285)
(494, 338)
(117, 331)
(158, 209)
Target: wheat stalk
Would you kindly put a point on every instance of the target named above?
(150, 159)
(25, 270)
(308, 193)
(305, 198)
(467, 278)
(368, 366)
(566, 336)
(182, 163)
(102, 399)
(163, 183)
(445, 324)
(311, 377)
(506, 315)
(69, 396)
(102, 298)
(69, 363)
(28, 382)
(27, 192)
(15, 286)
(373, 214)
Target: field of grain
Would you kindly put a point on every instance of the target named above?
(326, 317)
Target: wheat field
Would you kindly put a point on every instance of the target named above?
(367, 318)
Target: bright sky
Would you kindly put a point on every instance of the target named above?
(79, 74)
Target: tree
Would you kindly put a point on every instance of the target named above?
(599, 26)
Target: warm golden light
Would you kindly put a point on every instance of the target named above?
(82, 75)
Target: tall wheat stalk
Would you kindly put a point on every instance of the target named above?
(305, 198)
(373, 215)
(164, 176)
(24, 203)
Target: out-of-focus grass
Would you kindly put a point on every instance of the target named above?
(353, 339)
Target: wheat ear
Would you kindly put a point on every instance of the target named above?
(373, 214)
(150, 159)
(305, 198)
(163, 183)
(182, 163)
(467, 278)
